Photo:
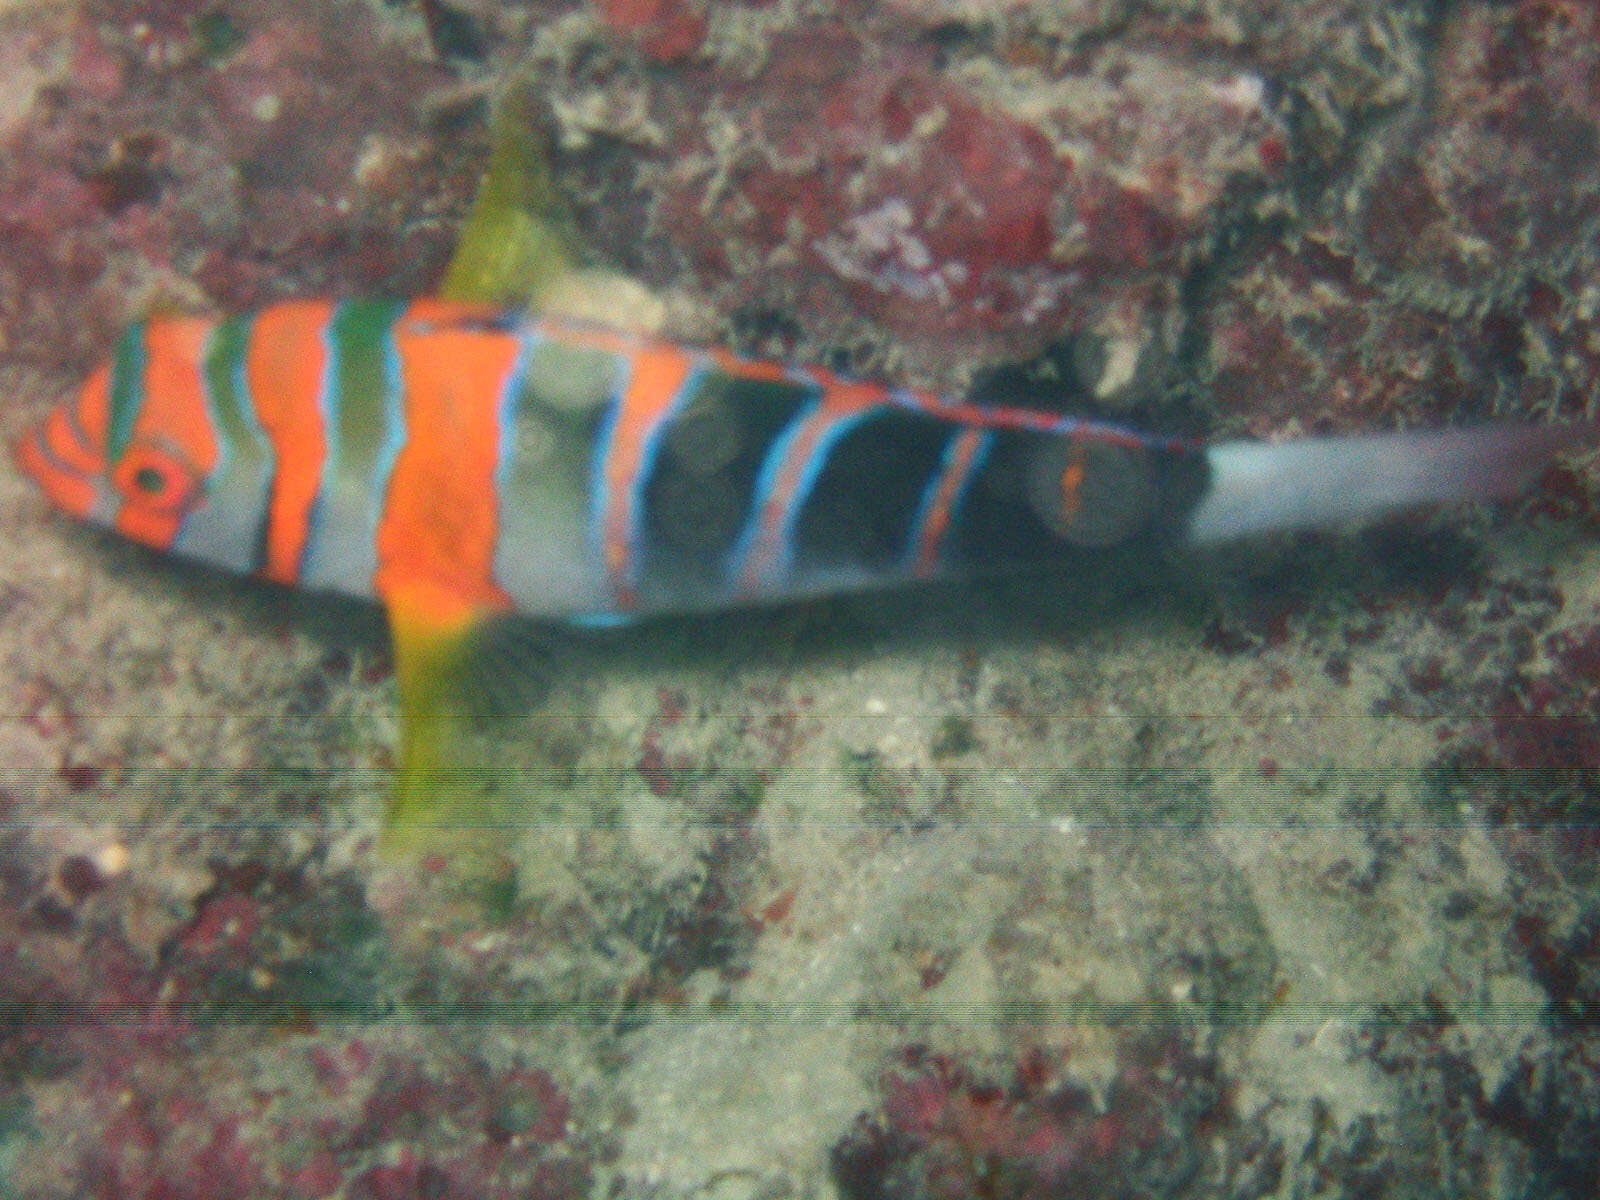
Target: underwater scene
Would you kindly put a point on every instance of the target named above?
(799, 599)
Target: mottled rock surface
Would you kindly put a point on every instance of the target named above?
(1267, 874)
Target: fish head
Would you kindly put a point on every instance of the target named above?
(133, 449)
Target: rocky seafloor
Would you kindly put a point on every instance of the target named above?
(1268, 872)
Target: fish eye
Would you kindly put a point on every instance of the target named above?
(156, 478)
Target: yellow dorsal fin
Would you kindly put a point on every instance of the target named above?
(518, 239)
(518, 247)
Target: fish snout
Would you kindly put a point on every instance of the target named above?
(61, 457)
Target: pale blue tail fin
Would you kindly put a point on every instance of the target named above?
(1316, 483)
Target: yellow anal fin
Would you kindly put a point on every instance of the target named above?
(517, 241)
(438, 791)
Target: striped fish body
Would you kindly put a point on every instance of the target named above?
(494, 462)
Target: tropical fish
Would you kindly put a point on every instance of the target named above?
(378, 449)
(456, 462)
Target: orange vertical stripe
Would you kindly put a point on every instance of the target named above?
(285, 368)
(441, 517)
(951, 483)
(840, 400)
(173, 414)
(94, 409)
(175, 388)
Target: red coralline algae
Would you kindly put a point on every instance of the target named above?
(1452, 277)
(208, 1124)
(1548, 720)
(511, 1128)
(943, 1132)
(950, 233)
(1520, 103)
(196, 1072)
(666, 30)
(175, 166)
(851, 172)
(225, 924)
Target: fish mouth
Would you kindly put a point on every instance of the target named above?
(58, 455)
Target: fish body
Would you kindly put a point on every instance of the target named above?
(498, 462)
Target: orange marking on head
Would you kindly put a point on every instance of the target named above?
(65, 441)
(441, 517)
(285, 368)
(175, 388)
(94, 408)
(65, 455)
(656, 376)
(149, 527)
(65, 489)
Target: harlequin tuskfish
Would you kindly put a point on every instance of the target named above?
(454, 462)
(372, 448)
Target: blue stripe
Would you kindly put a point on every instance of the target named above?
(361, 401)
(767, 480)
(317, 517)
(648, 453)
(394, 426)
(930, 493)
(226, 528)
(247, 404)
(529, 340)
(808, 477)
(129, 385)
(602, 454)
